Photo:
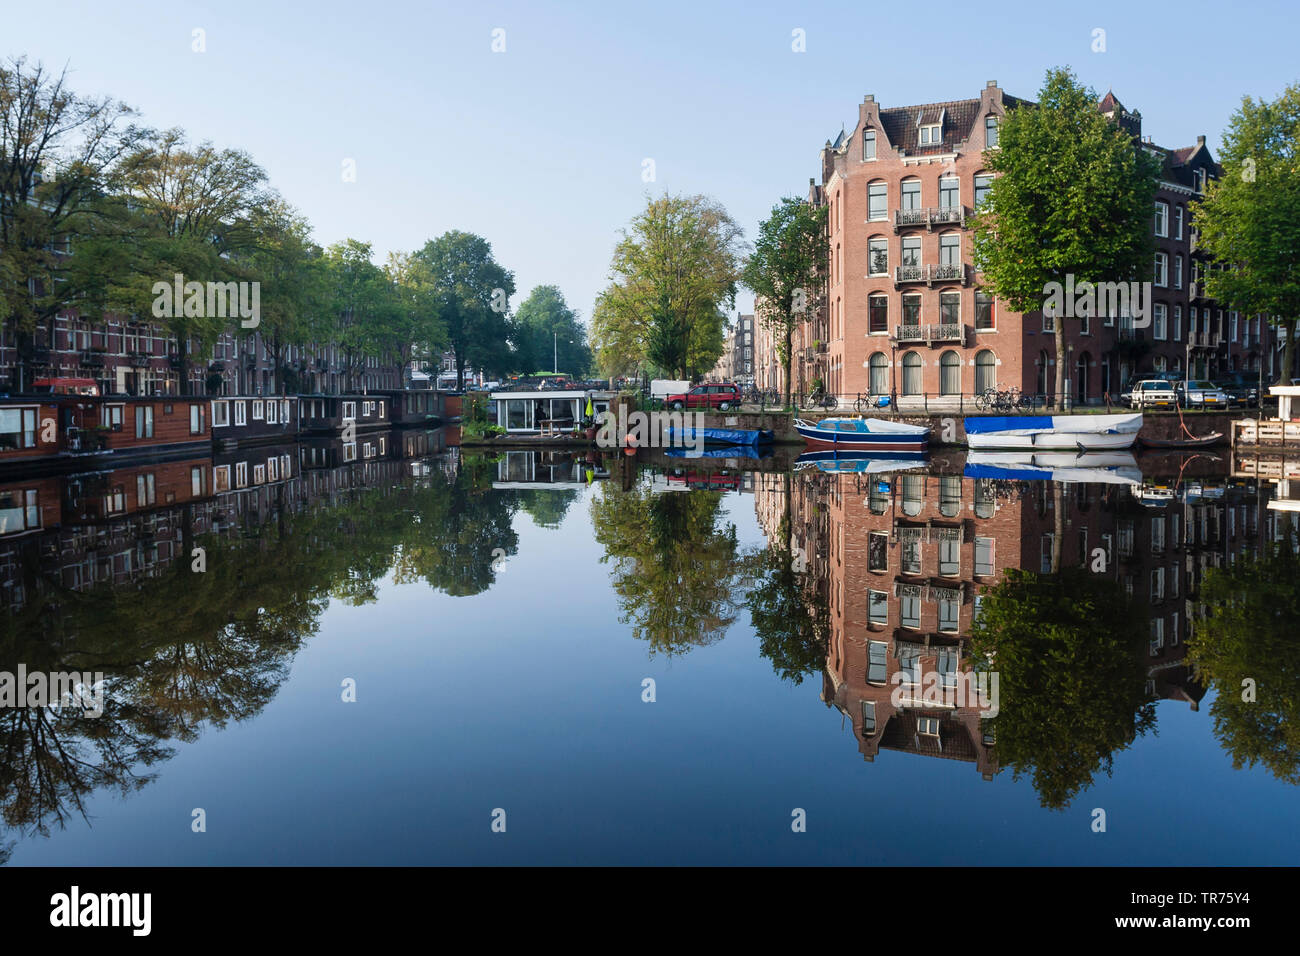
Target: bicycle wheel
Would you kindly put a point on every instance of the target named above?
(829, 402)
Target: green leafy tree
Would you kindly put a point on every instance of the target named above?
(1248, 219)
(58, 154)
(787, 272)
(548, 333)
(290, 269)
(362, 304)
(675, 270)
(473, 292)
(415, 327)
(789, 614)
(197, 205)
(1067, 649)
(1072, 195)
(1247, 649)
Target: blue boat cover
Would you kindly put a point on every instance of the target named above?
(1001, 471)
(725, 436)
(726, 451)
(1006, 423)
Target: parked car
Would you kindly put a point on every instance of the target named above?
(1242, 392)
(721, 396)
(1152, 393)
(1200, 393)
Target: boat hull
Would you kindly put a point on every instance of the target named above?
(889, 436)
(1053, 433)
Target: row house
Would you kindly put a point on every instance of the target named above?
(736, 363)
(126, 356)
(904, 311)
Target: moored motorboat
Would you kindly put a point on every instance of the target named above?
(864, 434)
(1081, 433)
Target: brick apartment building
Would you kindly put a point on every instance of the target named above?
(736, 363)
(130, 357)
(904, 312)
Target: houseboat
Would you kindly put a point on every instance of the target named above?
(69, 431)
(1079, 433)
(247, 419)
(541, 411)
(413, 406)
(331, 451)
(332, 414)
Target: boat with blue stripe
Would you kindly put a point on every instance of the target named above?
(720, 436)
(1079, 433)
(857, 462)
(864, 434)
(1101, 468)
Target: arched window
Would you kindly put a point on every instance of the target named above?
(877, 201)
(950, 373)
(986, 370)
(911, 373)
(910, 200)
(949, 192)
(879, 374)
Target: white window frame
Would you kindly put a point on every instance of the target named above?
(257, 410)
(1161, 224)
(241, 413)
(220, 413)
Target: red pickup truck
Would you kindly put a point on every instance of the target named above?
(721, 396)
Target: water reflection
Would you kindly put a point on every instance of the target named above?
(1079, 582)
(1092, 588)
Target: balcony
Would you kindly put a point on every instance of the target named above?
(1204, 340)
(929, 217)
(930, 274)
(944, 333)
(92, 359)
(140, 359)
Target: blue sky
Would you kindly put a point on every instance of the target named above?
(540, 148)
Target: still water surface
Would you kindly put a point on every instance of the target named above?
(500, 620)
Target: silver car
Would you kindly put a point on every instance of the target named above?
(1200, 393)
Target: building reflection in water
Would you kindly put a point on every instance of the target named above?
(900, 558)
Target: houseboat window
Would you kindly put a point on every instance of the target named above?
(110, 416)
(284, 465)
(144, 421)
(517, 413)
(367, 409)
(257, 409)
(241, 474)
(220, 414)
(285, 413)
(259, 474)
(18, 511)
(349, 410)
(167, 409)
(198, 420)
(383, 446)
(198, 481)
(273, 469)
(381, 409)
(221, 478)
(350, 451)
(272, 412)
(241, 413)
(17, 428)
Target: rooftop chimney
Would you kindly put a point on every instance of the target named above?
(869, 98)
(1200, 141)
(991, 84)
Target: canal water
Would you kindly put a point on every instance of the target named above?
(549, 658)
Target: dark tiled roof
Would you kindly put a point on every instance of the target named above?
(901, 124)
(1110, 102)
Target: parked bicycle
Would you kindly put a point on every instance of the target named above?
(866, 403)
(1006, 400)
(820, 398)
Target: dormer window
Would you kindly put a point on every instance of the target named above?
(868, 144)
(991, 132)
(931, 135)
